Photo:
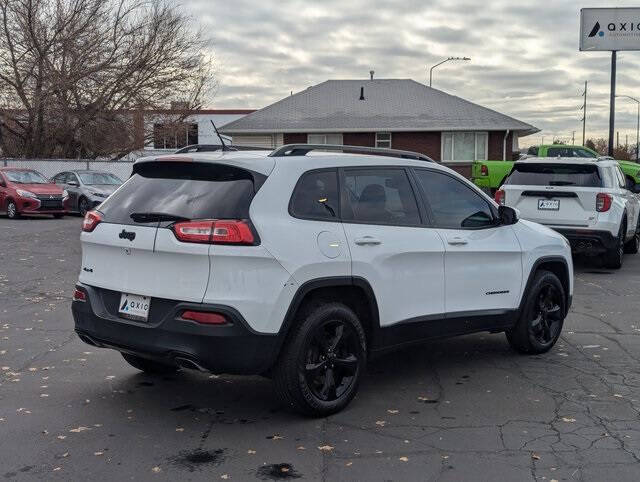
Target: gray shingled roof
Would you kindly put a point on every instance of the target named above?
(389, 105)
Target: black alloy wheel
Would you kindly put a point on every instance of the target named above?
(331, 360)
(83, 206)
(548, 316)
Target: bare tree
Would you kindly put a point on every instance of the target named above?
(76, 75)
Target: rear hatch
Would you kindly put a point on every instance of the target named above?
(134, 247)
(555, 194)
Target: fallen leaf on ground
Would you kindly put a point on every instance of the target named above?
(79, 429)
(325, 448)
(568, 420)
(404, 459)
(156, 470)
(535, 457)
(98, 453)
(393, 412)
(251, 452)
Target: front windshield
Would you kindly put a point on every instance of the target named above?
(26, 177)
(99, 178)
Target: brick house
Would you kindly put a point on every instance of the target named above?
(397, 113)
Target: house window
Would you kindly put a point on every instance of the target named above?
(383, 139)
(464, 146)
(331, 139)
(174, 136)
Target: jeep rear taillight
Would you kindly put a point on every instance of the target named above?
(225, 231)
(603, 202)
(484, 170)
(91, 220)
(499, 197)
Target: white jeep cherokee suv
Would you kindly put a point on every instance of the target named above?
(589, 201)
(302, 267)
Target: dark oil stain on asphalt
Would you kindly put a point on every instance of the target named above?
(277, 472)
(197, 459)
(24, 469)
(183, 407)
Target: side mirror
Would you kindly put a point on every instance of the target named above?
(508, 216)
(73, 183)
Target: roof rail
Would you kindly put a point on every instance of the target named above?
(304, 149)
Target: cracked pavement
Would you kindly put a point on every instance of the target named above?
(465, 408)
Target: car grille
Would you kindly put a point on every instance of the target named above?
(48, 202)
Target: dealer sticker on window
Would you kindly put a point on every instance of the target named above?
(549, 204)
(135, 307)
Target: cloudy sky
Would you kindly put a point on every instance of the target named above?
(525, 58)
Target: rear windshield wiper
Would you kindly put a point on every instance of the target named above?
(154, 217)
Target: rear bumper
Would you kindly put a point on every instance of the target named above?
(232, 348)
(588, 241)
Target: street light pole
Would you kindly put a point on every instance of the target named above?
(442, 62)
(637, 123)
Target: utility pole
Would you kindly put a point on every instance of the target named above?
(573, 138)
(637, 122)
(612, 101)
(584, 111)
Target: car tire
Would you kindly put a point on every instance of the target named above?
(12, 210)
(322, 361)
(633, 245)
(148, 366)
(542, 317)
(613, 257)
(83, 206)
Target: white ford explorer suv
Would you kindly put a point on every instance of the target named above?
(587, 200)
(301, 267)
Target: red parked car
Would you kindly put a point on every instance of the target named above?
(25, 191)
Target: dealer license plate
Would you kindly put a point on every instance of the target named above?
(135, 307)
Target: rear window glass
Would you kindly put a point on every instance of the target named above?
(187, 190)
(546, 174)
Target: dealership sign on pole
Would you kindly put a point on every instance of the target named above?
(610, 29)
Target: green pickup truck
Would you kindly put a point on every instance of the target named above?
(490, 175)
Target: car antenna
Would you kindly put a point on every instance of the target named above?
(224, 146)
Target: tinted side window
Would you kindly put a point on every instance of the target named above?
(379, 196)
(316, 196)
(59, 178)
(454, 205)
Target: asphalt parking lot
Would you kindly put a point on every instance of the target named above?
(461, 409)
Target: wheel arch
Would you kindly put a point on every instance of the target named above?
(556, 265)
(355, 292)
